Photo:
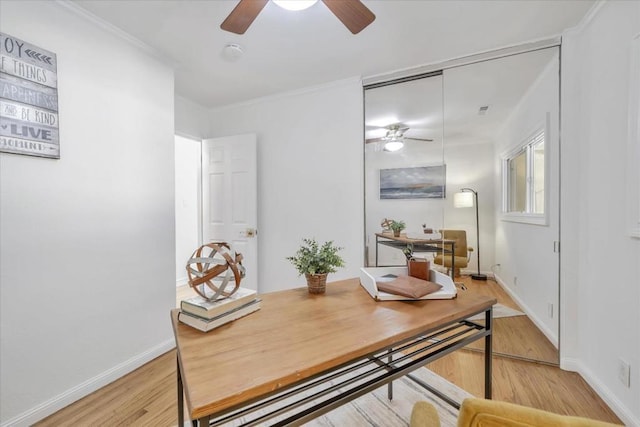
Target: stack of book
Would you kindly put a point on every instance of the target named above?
(205, 315)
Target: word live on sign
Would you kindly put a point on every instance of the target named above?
(29, 121)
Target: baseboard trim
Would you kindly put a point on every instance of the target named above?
(539, 324)
(56, 403)
(624, 413)
(569, 364)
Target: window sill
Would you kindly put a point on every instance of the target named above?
(525, 218)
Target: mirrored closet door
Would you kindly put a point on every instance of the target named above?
(489, 129)
(405, 176)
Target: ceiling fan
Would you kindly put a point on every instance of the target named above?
(394, 138)
(353, 14)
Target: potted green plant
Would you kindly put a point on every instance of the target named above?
(316, 261)
(397, 227)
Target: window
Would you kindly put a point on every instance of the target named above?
(523, 171)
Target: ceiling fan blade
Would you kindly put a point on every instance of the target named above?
(243, 15)
(353, 14)
(370, 140)
(419, 139)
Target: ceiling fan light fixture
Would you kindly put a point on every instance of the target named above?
(393, 145)
(352, 13)
(295, 4)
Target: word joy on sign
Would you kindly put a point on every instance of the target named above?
(19, 49)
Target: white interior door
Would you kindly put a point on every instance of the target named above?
(229, 198)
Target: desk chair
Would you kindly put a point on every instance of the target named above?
(462, 251)
(491, 413)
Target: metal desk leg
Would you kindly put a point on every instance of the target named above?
(390, 385)
(488, 353)
(180, 395)
(453, 261)
(377, 250)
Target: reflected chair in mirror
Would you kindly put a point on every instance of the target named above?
(461, 255)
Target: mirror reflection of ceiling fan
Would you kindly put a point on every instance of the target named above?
(352, 13)
(394, 138)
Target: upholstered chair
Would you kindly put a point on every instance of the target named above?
(462, 251)
(491, 413)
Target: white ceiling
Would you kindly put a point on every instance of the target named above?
(285, 50)
(453, 99)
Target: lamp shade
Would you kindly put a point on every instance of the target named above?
(463, 200)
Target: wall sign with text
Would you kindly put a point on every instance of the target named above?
(28, 99)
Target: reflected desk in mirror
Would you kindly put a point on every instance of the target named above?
(402, 242)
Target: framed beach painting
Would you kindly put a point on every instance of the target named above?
(424, 182)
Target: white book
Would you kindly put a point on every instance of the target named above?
(207, 325)
(210, 309)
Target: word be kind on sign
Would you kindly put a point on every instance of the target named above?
(28, 99)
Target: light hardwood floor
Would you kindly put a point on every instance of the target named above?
(147, 396)
(537, 382)
(515, 336)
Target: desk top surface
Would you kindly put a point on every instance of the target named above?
(296, 335)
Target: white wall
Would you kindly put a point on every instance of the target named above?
(87, 241)
(310, 170)
(471, 165)
(600, 262)
(188, 190)
(191, 119)
(537, 276)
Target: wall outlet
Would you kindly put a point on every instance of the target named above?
(550, 310)
(624, 373)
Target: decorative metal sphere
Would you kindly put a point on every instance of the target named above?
(215, 271)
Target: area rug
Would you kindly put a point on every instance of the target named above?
(499, 310)
(375, 410)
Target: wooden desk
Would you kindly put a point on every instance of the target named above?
(418, 245)
(296, 337)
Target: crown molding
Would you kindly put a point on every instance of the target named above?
(182, 98)
(116, 31)
(587, 18)
(465, 60)
(290, 93)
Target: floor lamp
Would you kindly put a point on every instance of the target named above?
(468, 198)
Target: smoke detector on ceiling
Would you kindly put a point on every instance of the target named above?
(232, 52)
(483, 110)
